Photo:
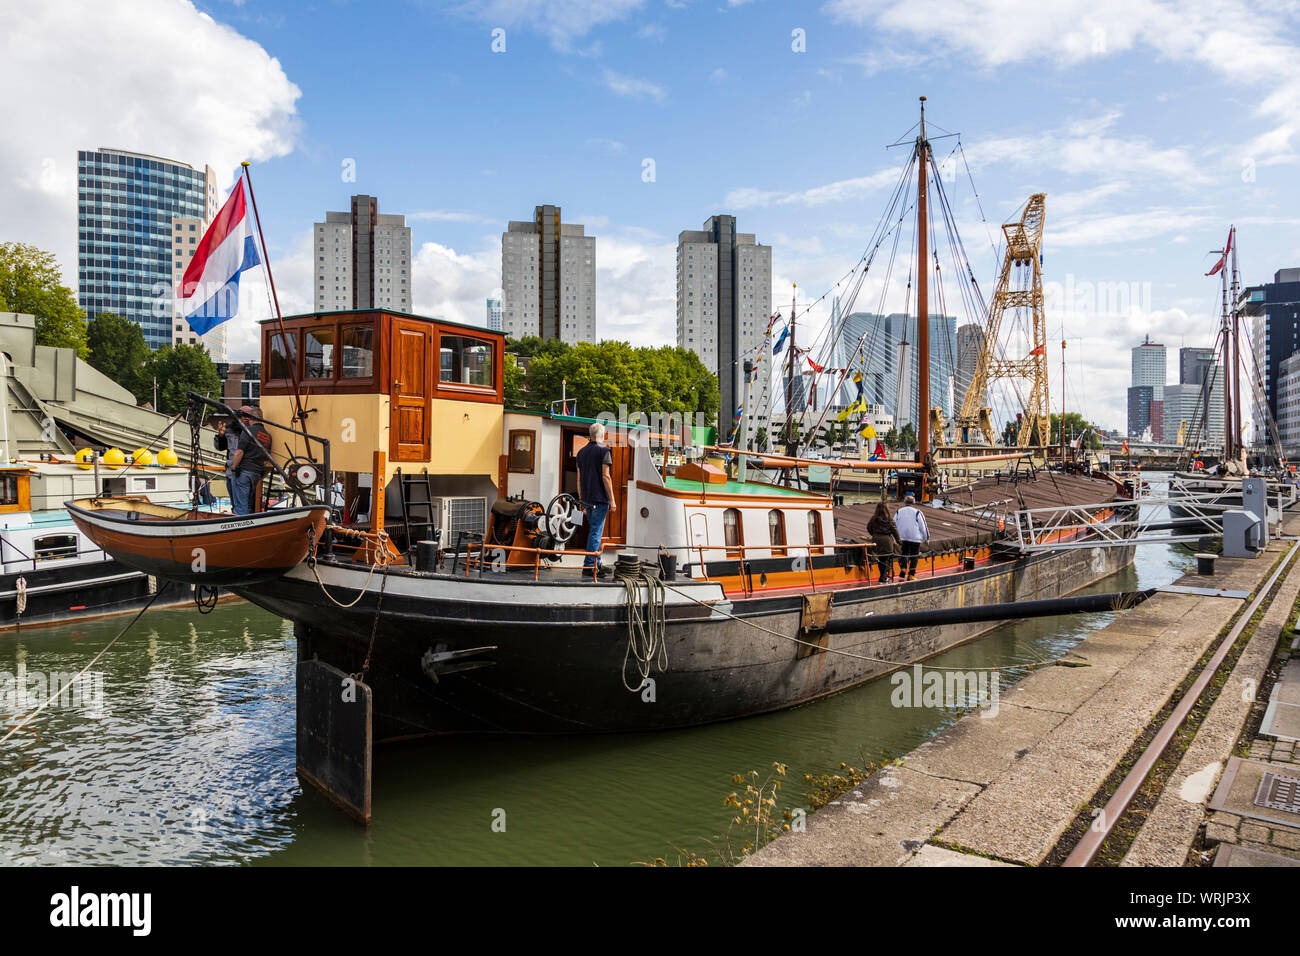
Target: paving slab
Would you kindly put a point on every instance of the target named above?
(1240, 784)
(930, 855)
(1281, 720)
(979, 750)
(1230, 855)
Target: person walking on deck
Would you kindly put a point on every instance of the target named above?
(596, 489)
(884, 536)
(913, 531)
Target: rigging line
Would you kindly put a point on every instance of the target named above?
(102, 651)
(879, 234)
(997, 253)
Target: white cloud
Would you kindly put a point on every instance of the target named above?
(562, 21)
(611, 146)
(454, 285)
(636, 291)
(82, 76)
(634, 87)
(1245, 42)
(1121, 229)
(844, 189)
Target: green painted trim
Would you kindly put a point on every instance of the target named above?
(735, 488)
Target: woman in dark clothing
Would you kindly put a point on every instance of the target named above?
(884, 535)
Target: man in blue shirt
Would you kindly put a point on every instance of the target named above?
(596, 489)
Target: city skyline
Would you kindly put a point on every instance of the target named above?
(1136, 200)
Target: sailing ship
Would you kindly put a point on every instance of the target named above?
(1210, 477)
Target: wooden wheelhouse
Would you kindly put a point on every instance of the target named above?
(410, 405)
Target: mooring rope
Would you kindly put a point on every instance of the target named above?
(646, 632)
(382, 558)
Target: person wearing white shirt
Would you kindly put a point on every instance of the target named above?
(912, 531)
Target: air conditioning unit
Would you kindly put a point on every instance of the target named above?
(457, 516)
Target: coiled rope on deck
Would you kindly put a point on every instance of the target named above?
(646, 620)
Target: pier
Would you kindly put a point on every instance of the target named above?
(1035, 780)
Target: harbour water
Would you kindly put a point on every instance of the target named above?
(185, 754)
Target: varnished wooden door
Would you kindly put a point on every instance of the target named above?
(620, 470)
(412, 364)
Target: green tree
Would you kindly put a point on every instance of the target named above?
(179, 369)
(760, 439)
(1075, 425)
(118, 349)
(891, 438)
(30, 281)
(513, 384)
(908, 437)
(602, 376)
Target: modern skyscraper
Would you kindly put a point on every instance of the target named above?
(494, 314)
(1139, 410)
(548, 279)
(724, 301)
(1194, 365)
(970, 343)
(1274, 309)
(872, 343)
(1187, 407)
(1148, 372)
(139, 220)
(363, 259)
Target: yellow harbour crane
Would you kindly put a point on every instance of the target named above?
(1019, 291)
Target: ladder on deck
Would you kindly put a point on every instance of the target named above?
(419, 518)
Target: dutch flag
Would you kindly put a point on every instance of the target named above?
(210, 289)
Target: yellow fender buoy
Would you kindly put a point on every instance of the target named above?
(142, 456)
(85, 459)
(167, 458)
(114, 458)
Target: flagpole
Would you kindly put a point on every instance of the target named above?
(270, 277)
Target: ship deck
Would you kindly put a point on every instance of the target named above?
(969, 514)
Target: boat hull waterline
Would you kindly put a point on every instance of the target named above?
(548, 657)
(200, 548)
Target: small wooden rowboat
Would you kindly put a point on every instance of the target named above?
(199, 547)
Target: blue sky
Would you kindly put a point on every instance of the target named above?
(1150, 126)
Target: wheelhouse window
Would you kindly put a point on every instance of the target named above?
(465, 361)
(282, 356)
(776, 531)
(51, 547)
(318, 354)
(358, 348)
(521, 452)
(733, 535)
(815, 533)
(9, 490)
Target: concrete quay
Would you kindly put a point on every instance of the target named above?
(1002, 786)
